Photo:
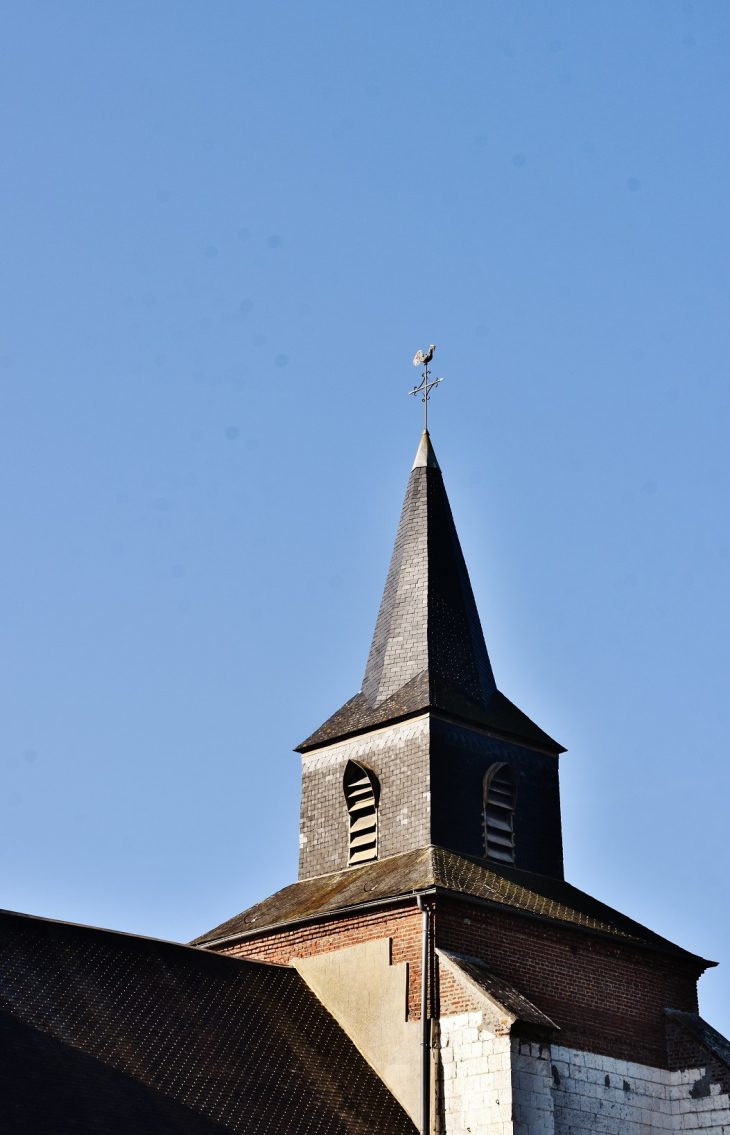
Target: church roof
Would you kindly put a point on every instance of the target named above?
(436, 867)
(475, 973)
(113, 1033)
(428, 649)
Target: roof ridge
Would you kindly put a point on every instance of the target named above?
(401, 876)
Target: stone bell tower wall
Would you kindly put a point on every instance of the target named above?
(460, 757)
(431, 775)
(399, 757)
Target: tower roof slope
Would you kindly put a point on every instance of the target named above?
(428, 649)
(447, 871)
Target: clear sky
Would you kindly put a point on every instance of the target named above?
(226, 229)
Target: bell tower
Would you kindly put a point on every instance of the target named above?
(431, 915)
(444, 758)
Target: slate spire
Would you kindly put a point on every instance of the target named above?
(428, 622)
(428, 649)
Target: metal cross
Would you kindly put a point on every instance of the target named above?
(425, 387)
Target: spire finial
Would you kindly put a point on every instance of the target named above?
(424, 385)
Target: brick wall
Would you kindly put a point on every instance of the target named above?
(401, 924)
(684, 1052)
(608, 999)
(454, 997)
(606, 996)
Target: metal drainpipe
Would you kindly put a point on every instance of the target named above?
(425, 1026)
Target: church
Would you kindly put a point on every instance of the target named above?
(430, 970)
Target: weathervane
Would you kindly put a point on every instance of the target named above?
(424, 385)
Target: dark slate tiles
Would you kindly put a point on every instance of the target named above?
(399, 649)
(109, 1033)
(429, 867)
(503, 992)
(428, 648)
(457, 651)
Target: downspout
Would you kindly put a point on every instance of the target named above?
(425, 1025)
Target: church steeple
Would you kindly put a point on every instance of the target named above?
(428, 649)
(429, 752)
(428, 629)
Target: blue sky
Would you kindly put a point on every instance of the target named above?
(226, 229)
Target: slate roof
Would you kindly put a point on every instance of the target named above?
(710, 1039)
(436, 867)
(107, 1034)
(428, 649)
(475, 972)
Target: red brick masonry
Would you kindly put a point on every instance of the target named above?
(607, 996)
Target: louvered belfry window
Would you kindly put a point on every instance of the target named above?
(500, 796)
(361, 793)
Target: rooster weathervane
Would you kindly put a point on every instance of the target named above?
(424, 385)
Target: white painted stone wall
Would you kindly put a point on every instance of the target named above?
(493, 1085)
(532, 1088)
(711, 1113)
(594, 1093)
(475, 1077)
(620, 1098)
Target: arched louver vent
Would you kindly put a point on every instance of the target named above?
(500, 796)
(361, 793)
